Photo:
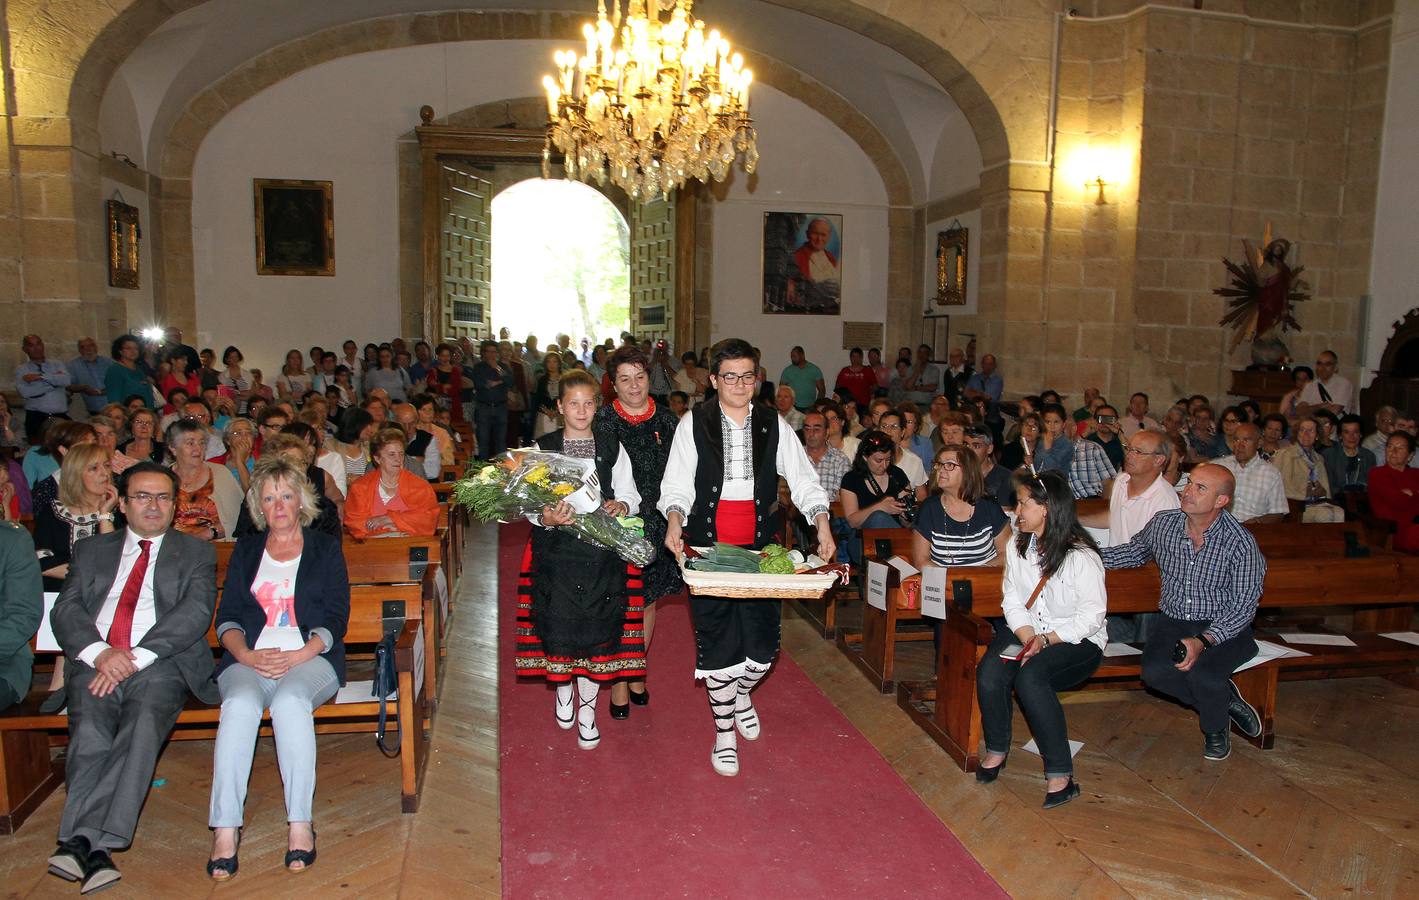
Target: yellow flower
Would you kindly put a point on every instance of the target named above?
(539, 475)
(563, 489)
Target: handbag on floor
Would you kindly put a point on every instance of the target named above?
(386, 682)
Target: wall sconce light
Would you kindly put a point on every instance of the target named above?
(1097, 169)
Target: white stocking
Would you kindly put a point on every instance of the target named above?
(563, 709)
(746, 718)
(587, 735)
(722, 692)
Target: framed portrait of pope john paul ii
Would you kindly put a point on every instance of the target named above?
(803, 263)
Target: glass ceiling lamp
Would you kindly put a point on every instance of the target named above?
(650, 104)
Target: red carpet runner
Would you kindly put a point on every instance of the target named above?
(814, 812)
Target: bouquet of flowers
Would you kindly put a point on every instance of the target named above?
(521, 483)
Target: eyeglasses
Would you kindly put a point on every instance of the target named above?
(733, 378)
(144, 498)
(947, 466)
(890, 427)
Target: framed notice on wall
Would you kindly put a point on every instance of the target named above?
(862, 334)
(295, 227)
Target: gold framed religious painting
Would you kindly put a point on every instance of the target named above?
(295, 227)
(803, 263)
(952, 252)
(124, 235)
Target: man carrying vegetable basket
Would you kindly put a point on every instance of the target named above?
(721, 487)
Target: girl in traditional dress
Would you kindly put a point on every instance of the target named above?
(579, 607)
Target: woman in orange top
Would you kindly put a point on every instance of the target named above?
(388, 498)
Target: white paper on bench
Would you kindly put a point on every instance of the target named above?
(1032, 747)
(1408, 637)
(1267, 651)
(904, 568)
(418, 661)
(360, 692)
(933, 592)
(877, 585)
(45, 641)
(1330, 640)
(1117, 649)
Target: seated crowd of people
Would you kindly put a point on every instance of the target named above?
(178, 451)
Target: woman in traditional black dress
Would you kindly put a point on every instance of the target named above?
(578, 606)
(633, 422)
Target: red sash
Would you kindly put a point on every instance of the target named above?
(734, 522)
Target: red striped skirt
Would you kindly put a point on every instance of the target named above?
(627, 661)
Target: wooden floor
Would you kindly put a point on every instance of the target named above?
(1330, 812)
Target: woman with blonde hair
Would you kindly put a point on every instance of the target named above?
(84, 507)
(285, 606)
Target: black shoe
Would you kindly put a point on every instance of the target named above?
(1218, 746)
(305, 857)
(69, 857)
(227, 865)
(1242, 713)
(100, 872)
(1061, 796)
(987, 775)
(621, 711)
(641, 699)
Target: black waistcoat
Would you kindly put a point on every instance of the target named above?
(699, 530)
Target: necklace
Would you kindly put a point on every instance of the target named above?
(635, 418)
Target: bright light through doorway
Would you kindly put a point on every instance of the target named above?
(561, 262)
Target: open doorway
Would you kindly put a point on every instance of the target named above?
(561, 255)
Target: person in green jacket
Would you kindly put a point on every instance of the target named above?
(21, 603)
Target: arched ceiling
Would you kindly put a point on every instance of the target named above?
(195, 48)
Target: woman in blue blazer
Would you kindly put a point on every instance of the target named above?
(282, 619)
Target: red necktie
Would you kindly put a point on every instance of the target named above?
(120, 633)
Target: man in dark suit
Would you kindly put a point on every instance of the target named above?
(132, 620)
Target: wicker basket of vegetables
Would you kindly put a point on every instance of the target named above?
(775, 572)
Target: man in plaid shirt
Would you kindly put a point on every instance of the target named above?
(1212, 571)
(1090, 471)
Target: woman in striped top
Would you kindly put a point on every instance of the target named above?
(961, 525)
(353, 446)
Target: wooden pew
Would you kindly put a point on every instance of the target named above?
(822, 614)
(1301, 573)
(873, 648)
(26, 735)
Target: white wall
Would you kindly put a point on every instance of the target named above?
(340, 122)
(1393, 288)
(807, 165)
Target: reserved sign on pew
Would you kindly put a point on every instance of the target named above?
(877, 585)
(933, 592)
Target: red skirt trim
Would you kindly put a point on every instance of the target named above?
(531, 660)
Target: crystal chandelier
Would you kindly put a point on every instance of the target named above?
(664, 103)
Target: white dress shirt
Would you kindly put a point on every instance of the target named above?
(677, 486)
(145, 616)
(1073, 603)
(1128, 515)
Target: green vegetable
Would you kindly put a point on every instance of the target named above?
(777, 564)
(775, 550)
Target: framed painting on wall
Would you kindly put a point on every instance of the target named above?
(124, 234)
(803, 263)
(952, 252)
(295, 227)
